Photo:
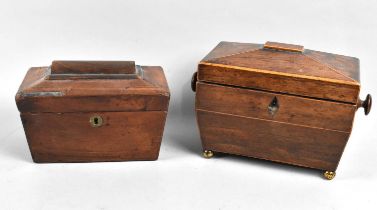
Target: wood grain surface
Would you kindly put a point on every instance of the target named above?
(278, 102)
(147, 93)
(69, 137)
(283, 68)
(92, 67)
(301, 86)
(58, 114)
(283, 46)
(292, 109)
(264, 139)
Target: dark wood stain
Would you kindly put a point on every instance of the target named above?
(69, 137)
(93, 67)
(58, 128)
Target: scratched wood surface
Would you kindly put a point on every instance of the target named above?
(69, 137)
(147, 93)
(307, 73)
(93, 67)
(56, 113)
(239, 84)
(292, 109)
(280, 142)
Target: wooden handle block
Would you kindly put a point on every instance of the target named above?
(93, 67)
(366, 104)
(284, 47)
(194, 79)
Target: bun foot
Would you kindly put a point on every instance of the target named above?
(207, 154)
(329, 175)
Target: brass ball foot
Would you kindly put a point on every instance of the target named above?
(329, 175)
(207, 153)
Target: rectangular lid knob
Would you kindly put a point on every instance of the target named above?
(284, 47)
(91, 69)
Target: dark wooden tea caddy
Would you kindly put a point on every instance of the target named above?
(277, 102)
(84, 111)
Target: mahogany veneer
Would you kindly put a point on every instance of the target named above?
(84, 111)
(277, 102)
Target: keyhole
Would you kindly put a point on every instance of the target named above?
(95, 121)
(273, 107)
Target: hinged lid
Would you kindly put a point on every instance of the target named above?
(284, 68)
(88, 86)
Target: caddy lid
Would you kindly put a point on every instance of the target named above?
(88, 86)
(283, 68)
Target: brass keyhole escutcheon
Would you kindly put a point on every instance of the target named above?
(274, 106)
(95, 121)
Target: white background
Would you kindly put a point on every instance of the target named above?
(176, 35)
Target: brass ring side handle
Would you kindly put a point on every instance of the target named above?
(366, 104)
(193, 81)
